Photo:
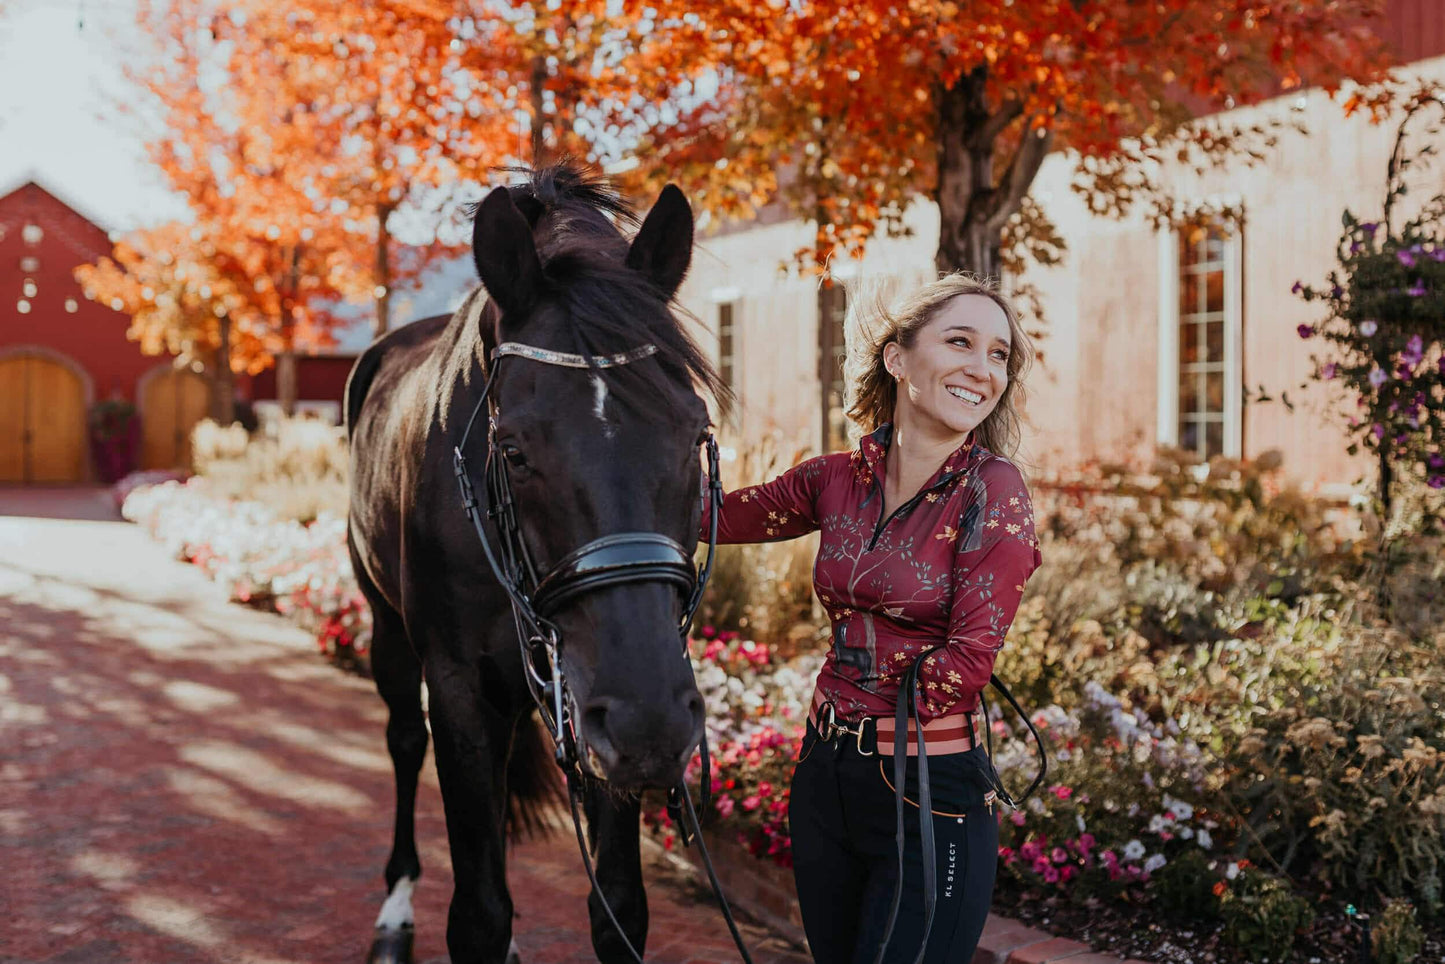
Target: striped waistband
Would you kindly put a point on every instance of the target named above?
(947, 734)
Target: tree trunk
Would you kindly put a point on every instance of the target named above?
(975, 201)
(286, 381)
(224, 383)
(539, 135)
(382, 276)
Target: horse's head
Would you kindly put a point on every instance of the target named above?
(595, 452)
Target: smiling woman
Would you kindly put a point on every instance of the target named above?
(927, 541)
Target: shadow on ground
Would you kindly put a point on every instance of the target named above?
(184, 780)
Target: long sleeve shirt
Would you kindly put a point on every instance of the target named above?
(940, 578)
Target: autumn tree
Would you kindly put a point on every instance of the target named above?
(166, 279)
(263, 250)
(871, 105)
(387, 83)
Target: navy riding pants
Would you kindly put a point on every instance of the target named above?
(845, 861)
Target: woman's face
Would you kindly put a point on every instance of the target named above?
(957, 369)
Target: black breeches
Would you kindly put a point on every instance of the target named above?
(845, 861)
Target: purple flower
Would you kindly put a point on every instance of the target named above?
(1416, 290)
(1414, 352)
(1306, 331)
(1368, 328)
(1337, 292)
(1442, 364)
(1379, 430)
(1406, 258)
(1369, 227)
(1378, 377)
(1329, 370)
(1355, 248)
(1435, 460)
(1404, 372)
(1298, 287)
(1438, 254)
(1436, 482)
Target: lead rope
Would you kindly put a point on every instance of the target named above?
(906, 707)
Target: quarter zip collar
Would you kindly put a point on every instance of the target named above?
(873, 449)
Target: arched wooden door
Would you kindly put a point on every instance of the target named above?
(42, 421)
(172, 402)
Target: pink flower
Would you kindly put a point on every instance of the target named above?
(1017, 817)
(1379, 430)
(1005, 853)
(1329, 370)
(1414, 352)
(1406, 258)
(1059, 855)
(1416, 290)
(724, 806)
(751, 803)
(1051, 876)
(1062, 792)
(1042, 865)
(1066, 873)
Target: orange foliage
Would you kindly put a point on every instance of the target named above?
(869, 105)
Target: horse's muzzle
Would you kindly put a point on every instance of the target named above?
(639, 744)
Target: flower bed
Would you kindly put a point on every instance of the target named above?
(300, 570)
(1243, 710)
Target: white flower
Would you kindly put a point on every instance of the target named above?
(1180, 809)
(1079, 819)
(1133, 850)
(1232, 870)
(1154, 862)
(1185, 833)
(1159, 824)
(1204, 839)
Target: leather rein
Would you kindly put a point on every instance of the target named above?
(611, 560)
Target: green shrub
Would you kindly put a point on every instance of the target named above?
(1395, 937)
(1261, 916)
(1184, 887)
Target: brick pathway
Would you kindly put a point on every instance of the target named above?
(183, 780)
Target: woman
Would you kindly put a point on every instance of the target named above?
(927, 540)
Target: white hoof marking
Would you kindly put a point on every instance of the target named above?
(397, 912)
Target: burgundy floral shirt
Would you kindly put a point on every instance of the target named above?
(941, 576)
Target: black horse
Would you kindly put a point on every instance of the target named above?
(589, 450)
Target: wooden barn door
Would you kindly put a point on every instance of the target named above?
(172, 402)
(42, 421)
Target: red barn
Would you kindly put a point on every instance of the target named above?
(61, 354)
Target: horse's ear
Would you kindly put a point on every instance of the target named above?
(506, 254)
(662, 249)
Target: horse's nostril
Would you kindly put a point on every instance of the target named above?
(595, 730)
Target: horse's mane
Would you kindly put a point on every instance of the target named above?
(575, 213)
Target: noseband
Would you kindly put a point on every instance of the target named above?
(612, 560)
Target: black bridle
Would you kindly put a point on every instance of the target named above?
(611, 560)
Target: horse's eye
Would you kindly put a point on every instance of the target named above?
(514, 456)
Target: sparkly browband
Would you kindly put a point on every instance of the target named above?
(573, 361)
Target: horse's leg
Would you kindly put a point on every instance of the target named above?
(397, 673)
(471, 743)
(614, 824)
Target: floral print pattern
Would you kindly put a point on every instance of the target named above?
(941, 578)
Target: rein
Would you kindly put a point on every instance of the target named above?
(610, 560)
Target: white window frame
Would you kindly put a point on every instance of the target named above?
(1167, 426)
(731, 296)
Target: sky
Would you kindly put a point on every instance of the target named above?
(60, 82)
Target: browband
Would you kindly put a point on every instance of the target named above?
(573, 361)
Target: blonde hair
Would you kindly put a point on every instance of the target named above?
(872, 392)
